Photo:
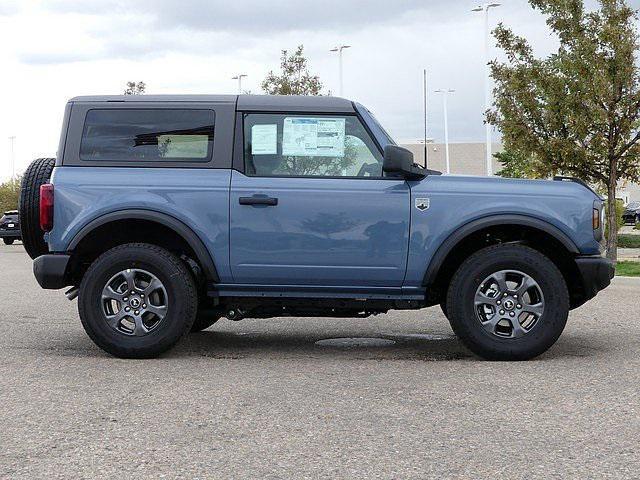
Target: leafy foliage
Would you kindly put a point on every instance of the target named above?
(9, 195)
(629, 241)
(577, 112)
(517, 165)
(134, 88)
(619, 221)
(294, 77)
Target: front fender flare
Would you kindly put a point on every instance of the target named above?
(476, 225)
(194, 241)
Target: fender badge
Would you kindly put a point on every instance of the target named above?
(422, 204)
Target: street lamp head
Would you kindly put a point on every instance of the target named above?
(485, 6)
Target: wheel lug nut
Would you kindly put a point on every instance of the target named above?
(137, 312)
(125, 299)
(501, 312)
(126, 309)
(142, 295)
(515, 295)
(132, 292)
(511, 314)
(518, 306)
(504, 294)
(144, 305)
(498, 302)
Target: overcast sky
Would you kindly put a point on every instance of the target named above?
(52, 50)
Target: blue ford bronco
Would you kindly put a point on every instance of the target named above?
(163, 214)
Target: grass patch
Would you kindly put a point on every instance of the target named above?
(629, 241)
(628, 269)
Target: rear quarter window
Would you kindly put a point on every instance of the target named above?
(148, 135)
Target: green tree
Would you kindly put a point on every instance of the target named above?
(517, 165)
(577, 111)
(294, 77)
(9, 195)
(134, 88)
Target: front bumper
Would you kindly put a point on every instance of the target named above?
(596, 273)
(51, 271)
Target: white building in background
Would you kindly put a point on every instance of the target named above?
(464, 158)
(470, 158)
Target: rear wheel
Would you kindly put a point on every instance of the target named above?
(137, 301)
(38, 173)
(8, 241)
(508, 302)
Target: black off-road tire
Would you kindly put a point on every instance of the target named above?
(204, 319)
(8, 241)
(443, 307)
(181, 291)
(473, 271)
(38, 173)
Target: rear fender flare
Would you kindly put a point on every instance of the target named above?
(180, 228)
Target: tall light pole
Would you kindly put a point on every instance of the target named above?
(339, 49)
(239, 78)
(487, 88)
(445, 93)
(12, 141)
(426, 150)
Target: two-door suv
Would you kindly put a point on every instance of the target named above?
(165, 213)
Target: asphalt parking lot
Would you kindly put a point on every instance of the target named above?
(260, 399)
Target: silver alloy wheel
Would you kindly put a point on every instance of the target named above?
(134, 302)
(509, 303)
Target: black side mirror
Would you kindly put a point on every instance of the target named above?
(398, 161)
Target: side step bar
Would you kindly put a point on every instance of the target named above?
(314, 291)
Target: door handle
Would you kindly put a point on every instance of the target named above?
(268, 201)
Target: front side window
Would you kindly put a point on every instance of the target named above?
(148, 135)
(309, 146)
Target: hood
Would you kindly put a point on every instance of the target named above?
(520, 188)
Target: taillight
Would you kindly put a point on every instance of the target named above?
(46, 207)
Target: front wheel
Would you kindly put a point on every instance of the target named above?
(8, 241)
(508, 302)
(137, 301)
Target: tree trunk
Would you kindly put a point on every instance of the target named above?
(612, 221)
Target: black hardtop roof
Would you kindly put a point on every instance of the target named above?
(272, 103)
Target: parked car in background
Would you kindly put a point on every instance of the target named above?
(631, 213)
(165, 213)
(10, 227)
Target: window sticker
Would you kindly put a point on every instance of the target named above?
(264, 139)
(313, 137)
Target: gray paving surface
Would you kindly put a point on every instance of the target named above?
(259, 399)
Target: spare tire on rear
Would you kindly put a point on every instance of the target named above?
(38, 173)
